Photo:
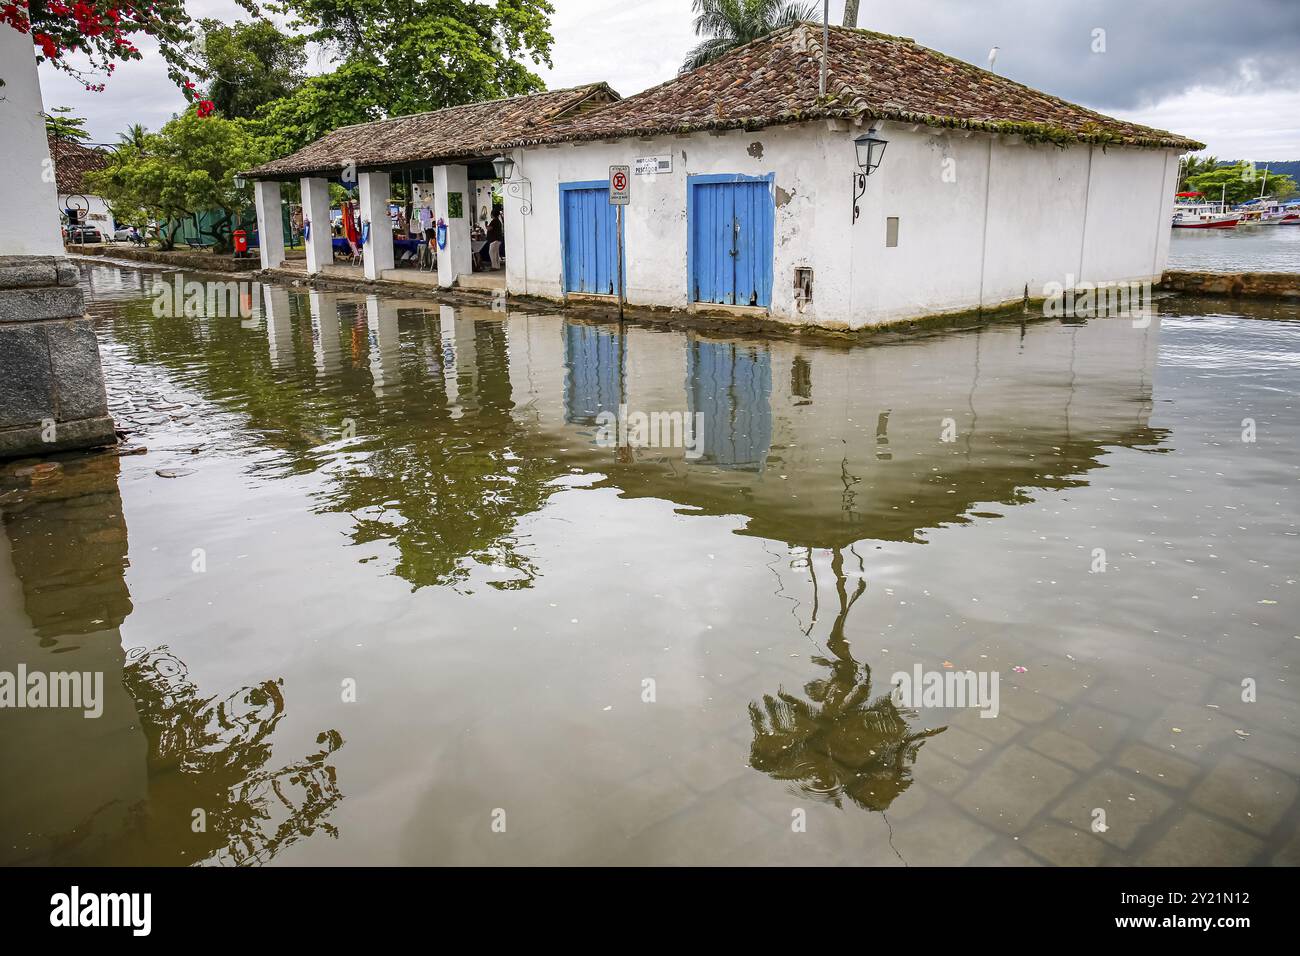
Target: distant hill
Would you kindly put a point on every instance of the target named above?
(1289, 167)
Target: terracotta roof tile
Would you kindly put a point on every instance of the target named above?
(454, 132)
(71, 162)
(774, 80)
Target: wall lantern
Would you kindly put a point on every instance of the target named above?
(504, 166)
(240, 182)
(521, 188)
(870, 148)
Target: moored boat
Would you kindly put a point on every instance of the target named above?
(1191, 211)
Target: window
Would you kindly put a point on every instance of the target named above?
(891, 232)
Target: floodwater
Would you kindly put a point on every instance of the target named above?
(1244, 249)
(399, 604)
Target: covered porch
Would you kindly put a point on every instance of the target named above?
(420, 198)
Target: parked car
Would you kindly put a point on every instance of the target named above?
(122, 234)
(84, 234)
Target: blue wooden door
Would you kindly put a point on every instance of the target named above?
(588, 237)
(731, 235)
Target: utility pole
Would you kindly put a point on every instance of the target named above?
(826, 40)
(851, 13)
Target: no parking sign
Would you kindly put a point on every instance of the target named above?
(620, 185)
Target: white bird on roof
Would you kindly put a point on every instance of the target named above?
(993, 57)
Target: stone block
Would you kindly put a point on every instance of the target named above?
(26, 378)
(19, 271)
(82, 433)
(74, 354)
(31, 304)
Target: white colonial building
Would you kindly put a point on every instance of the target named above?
(916, 185)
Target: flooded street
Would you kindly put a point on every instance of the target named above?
(381, 592)
(1250, 248)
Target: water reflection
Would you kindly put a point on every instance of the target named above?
(464, 418)
(840, 741)
(432, 435)
(161, 751)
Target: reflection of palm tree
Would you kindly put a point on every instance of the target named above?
(211, 753)
(839, 742)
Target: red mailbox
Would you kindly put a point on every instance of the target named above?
(241, 243)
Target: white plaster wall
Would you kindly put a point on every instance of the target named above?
(1051, 213)
(1034, 233)
(27, 191)
(96, 213)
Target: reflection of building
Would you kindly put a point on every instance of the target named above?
(123, 788)
(730, 384)
(593, 361)
(823, 446)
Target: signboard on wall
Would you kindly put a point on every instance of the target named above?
(620, 185)
(653, 165)
(455, 205)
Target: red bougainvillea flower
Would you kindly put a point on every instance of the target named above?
(48, 46)
(205, 108)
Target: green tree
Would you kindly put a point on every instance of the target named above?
(247, 65)
(1238, 183)
(728, 24)
(61, 124)
(354, 93)
(430, 53)
(1191, 166)
(187, 167)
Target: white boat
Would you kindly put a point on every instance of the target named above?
(1192, 211)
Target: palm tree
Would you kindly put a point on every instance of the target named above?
(732, 23)
(133, 135)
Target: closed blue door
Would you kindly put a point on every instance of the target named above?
(732, 220)
(588, 237)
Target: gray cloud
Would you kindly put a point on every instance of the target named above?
(1154, 48)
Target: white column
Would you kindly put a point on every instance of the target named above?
(270, 226)
(456, 259)
(377, 253)
(316, 210)
(27, 191)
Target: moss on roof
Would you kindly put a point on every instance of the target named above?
(774, 80)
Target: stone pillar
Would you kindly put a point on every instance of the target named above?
(51, 385)
(316, 210)
(270, 224)
(377, 253)
(449, 183)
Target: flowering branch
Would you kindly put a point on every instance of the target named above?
(106, 32)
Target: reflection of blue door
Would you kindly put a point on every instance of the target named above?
(731, 220)
(587, 237)
(593, 361)
(731, 386)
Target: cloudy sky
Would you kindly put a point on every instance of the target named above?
(1226, 72)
